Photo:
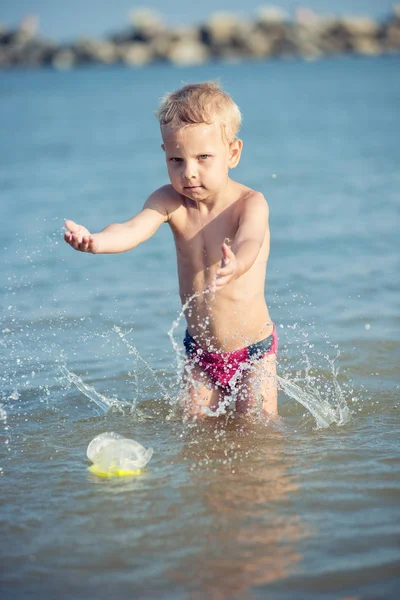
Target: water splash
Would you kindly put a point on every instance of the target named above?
(325, 412)
(133, 350)
(344, 413)
(3, 414)
(180, 361)
(90, 392)
(326, 409)
(320, 409)
(106, 404)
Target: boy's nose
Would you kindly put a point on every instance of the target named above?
(188, 172)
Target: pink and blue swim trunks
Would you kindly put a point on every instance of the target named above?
(221, 367)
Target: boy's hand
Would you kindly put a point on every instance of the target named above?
(79, 237)
(228, 270)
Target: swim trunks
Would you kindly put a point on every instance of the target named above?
(221, 367)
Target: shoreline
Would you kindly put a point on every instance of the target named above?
(223, 36)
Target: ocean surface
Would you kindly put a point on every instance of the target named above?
(306, 508)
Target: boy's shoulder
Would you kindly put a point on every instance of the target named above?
(250, 199)
(167, 193)
(164, 199)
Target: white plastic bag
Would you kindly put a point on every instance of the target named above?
(114, 455)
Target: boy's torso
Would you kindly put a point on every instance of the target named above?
(236, 315)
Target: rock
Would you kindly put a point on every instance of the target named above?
(307, 40)
(37, 52)
(33, 53)
(396, 12)
(188, 52)
(306, 17)
(136, 54)
(392, 37)
(280, 33)
(146, 24)
(350, 34)
(88, 50)
(182, 46)
(360, 26)
(220, 29)
(251, 41)
(369, 47)
(271, 15)
(30, 26)
(184, 33)
(281, 38)
(334, 38)
(64, 59)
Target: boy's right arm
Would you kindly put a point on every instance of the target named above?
(120, 237)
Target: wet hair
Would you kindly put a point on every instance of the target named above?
(198, 103)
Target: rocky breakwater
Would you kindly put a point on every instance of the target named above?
(223, 36)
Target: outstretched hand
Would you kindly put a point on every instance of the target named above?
(228, 269)
(79, 237)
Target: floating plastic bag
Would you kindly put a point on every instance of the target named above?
(113, 455)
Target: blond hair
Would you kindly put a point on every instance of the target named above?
(198, 103)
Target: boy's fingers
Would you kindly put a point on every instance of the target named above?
(79, 243)
(72, 226)
(225, 272)
(224, 275)
(226, 269)
(76, 231)
(221, 282)
(226, 251)
(83, 243)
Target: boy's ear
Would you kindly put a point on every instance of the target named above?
(235, 151)
(162, 147)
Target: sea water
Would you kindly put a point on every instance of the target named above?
(304, 508)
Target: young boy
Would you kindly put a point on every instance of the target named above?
(222, 241)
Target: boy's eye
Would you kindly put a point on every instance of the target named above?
(175, 159)
(204, 156)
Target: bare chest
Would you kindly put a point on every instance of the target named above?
(198, 238)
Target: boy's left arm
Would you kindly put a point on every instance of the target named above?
(250, 236)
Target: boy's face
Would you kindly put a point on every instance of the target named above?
(198, 159)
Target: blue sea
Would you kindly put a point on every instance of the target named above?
(306, 508)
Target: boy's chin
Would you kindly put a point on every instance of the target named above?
(194, 192)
